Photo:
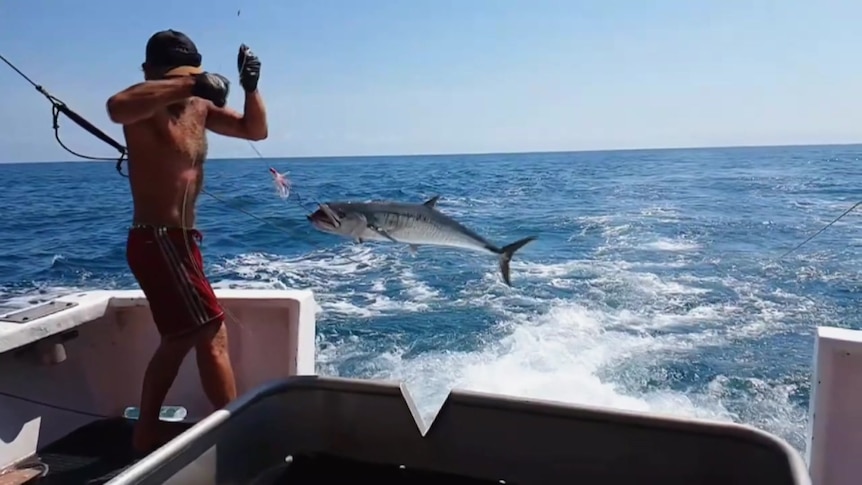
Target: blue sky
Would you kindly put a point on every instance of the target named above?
(350, 77)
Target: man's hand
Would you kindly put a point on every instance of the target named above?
(249, 69)
(213, 87)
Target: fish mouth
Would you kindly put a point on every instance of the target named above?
(325, 218)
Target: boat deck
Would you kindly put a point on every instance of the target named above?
(317, 469)
(93, 454)
(98, 452)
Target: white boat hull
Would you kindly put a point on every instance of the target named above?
(835, 411)
(66, 366)
(108, 338)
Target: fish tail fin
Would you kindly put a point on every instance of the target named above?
(506, 253)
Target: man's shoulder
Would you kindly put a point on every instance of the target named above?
(198, 110)
(201, 105)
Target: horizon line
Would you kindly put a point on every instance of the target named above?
(454, 154)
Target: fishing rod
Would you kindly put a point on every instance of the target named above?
(58, 107)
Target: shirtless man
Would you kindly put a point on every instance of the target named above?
(164, 120)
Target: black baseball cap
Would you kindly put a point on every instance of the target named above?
(174, 52)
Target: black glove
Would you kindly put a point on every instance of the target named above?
(249, 68)
(213, 87)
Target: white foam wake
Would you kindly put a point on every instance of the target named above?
(568, 339)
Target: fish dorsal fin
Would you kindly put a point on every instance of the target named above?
(432, 202)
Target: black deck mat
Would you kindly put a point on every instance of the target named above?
(94, 453)
(322, 469)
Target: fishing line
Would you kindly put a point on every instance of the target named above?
(827, 226)
(58, 107)
(52, 406)
(199, 267)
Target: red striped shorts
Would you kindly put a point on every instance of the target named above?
(168, 265)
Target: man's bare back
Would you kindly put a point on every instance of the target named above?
(166, 158)
(165, 120)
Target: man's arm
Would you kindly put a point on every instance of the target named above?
(250, 126)
(141, 101)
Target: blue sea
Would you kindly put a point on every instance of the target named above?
(654, 284)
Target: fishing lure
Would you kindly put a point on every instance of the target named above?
(282, 183)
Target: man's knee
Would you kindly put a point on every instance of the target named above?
(177, 344)
(212, 337)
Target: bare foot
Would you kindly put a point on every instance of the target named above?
(149, 437)
(144, 438)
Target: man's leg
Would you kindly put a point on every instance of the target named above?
(162, 275)
(158, 379)
(211, 345)
(155, 274)
(214, 365)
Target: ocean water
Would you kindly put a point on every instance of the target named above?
(654, 283)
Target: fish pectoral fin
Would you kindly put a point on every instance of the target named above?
(382, 233)
(413, 248)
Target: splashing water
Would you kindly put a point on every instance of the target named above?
(654, 286)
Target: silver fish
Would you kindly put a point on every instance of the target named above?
(411, 224)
